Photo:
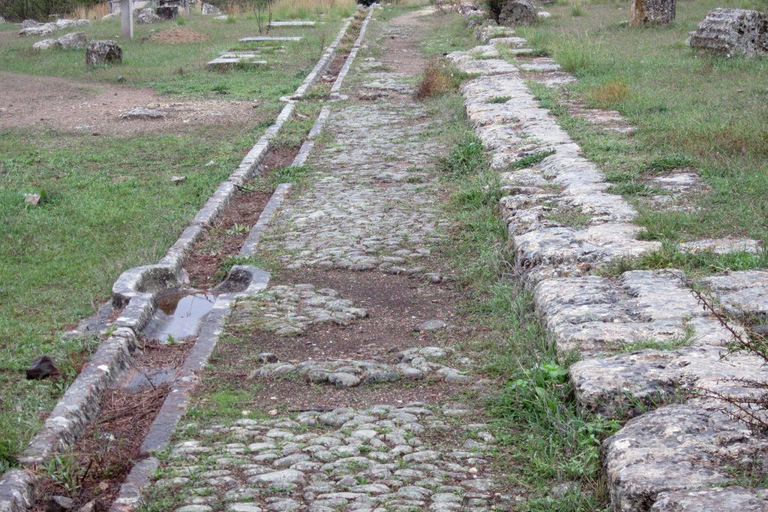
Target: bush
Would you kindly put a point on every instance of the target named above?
(19, 10)
(439, 78)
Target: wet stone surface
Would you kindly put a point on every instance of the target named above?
(378, 459)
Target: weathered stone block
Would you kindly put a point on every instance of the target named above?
(147, 16)
(732, 31)
(75, 40)
(653, 12)
(168, 12)
(103, 52)
(517, 12)
(210, 9)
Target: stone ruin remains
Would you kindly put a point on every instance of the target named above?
(652, 12)
(103, 52)
(517, 13)
(732, 31)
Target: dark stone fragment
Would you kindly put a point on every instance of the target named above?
(41, 368)
(59, 504)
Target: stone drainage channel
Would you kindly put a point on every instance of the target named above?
(152, 301)
(670, 456)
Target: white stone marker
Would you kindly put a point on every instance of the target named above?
(126, 18)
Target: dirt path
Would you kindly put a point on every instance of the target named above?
(40, 102)
(360, 394)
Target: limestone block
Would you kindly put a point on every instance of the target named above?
(594, 314)
(517, 12)
(732, 31)
(652, 12)
(103, 52)
(678, 448)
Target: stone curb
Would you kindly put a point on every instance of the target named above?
(135, 290)
(317, 128)
(269, 212)
(668, 457)
(352, 54)
(177, 401)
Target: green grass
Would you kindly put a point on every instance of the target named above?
(109, 206)
(545, 440)
(180, 69)
(691, 110)
(109, 203)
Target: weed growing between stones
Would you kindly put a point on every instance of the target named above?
(694, 264)
(747, 399)
(553, 447)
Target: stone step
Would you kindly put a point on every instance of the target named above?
(295, 23)
(258, 39)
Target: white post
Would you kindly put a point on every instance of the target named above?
(126, 18)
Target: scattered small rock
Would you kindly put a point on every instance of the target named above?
(267, 357)
(32, 199)
(143, 113)
(178, 179)
(41, 368)
(431, 325)
(59, 504)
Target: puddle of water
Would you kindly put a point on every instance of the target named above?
(183, 312)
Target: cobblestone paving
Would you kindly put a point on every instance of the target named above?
(371, 207)
(372, 204)
(379, 460)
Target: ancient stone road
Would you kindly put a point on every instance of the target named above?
(371, 208)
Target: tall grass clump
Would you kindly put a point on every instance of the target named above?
(439, 78)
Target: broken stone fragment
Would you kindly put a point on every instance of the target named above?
(210, 9)
(652, 12)
(103, 52)
(41, 368)
(178, 179)
(75, 40)
(517, 12)
(732, 31)
(59, 504)
(143, 113)
(147, 16)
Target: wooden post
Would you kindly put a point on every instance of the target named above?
(126, 18)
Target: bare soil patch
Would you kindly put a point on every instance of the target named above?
(396, 305)
(179, 36)
(224, 239)
(40, 102)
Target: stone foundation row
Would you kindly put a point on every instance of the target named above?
(646, 343)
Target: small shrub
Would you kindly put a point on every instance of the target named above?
(576, 11)
(439, 78)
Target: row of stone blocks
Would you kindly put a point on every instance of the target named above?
(674, 454)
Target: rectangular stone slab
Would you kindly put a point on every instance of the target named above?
(255, 39)
(292, 23)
